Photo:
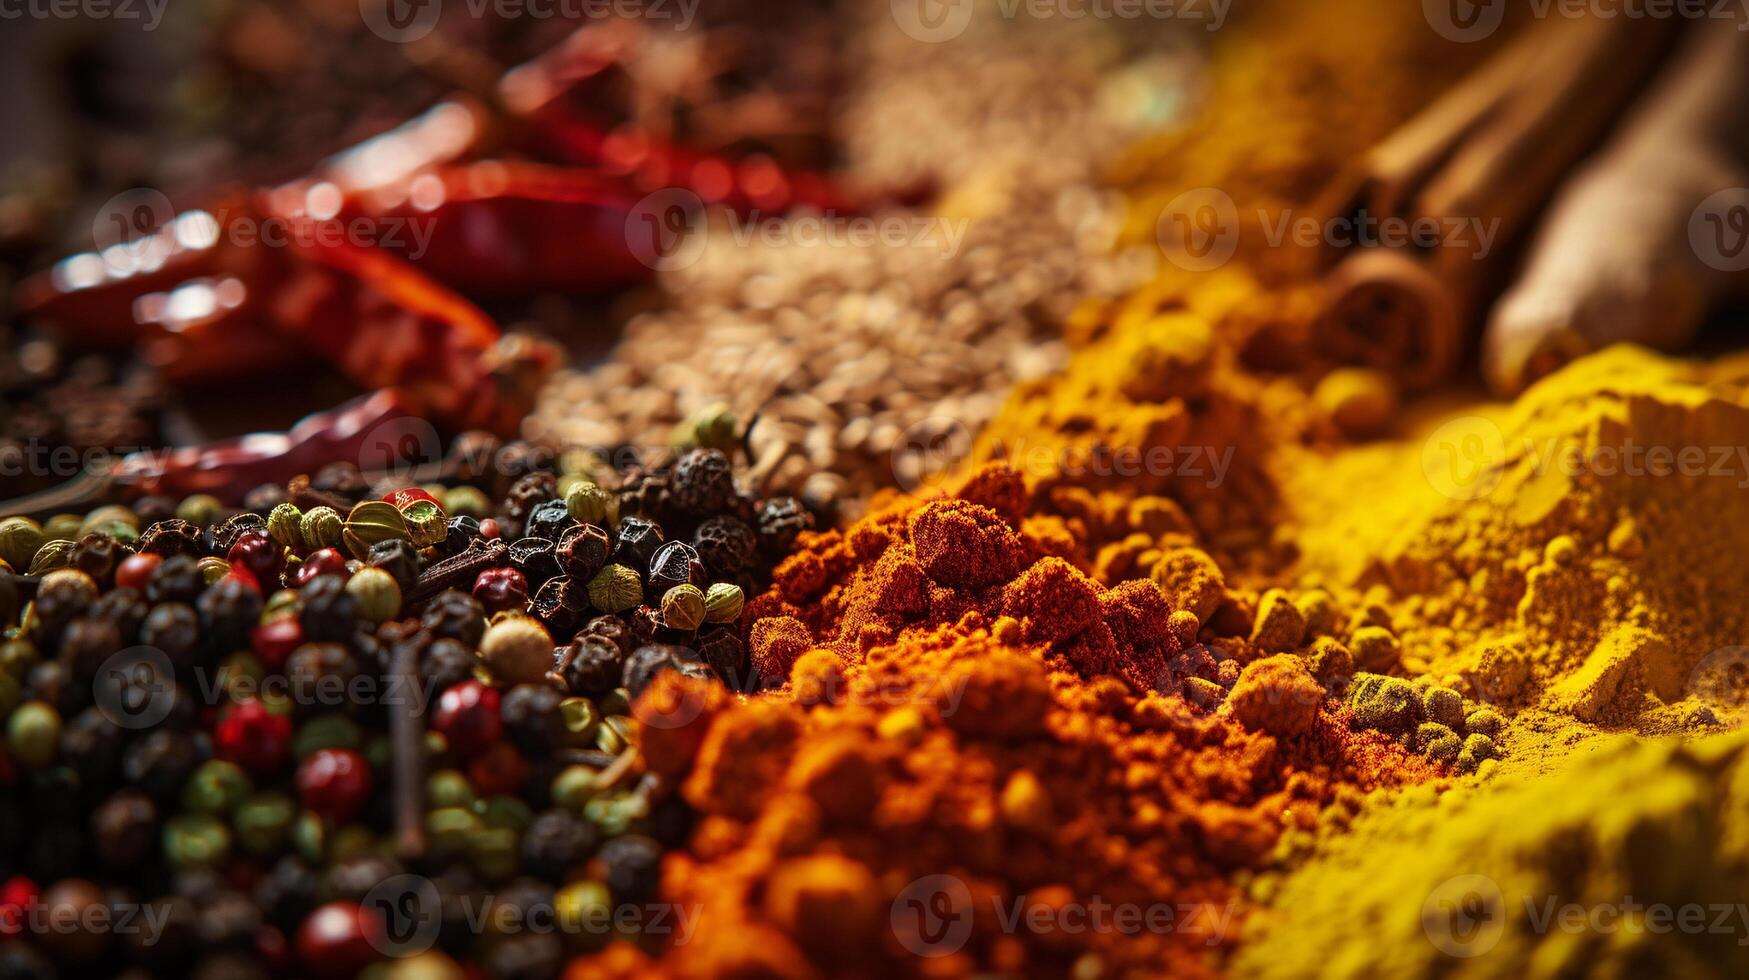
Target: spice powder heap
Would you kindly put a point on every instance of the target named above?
(962, 702)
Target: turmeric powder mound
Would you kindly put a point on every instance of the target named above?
(1628, 861)
(1018, 749)
(1573, 553)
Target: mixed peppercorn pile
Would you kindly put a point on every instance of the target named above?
(239, 722)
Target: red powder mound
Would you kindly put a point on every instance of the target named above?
(964, 545)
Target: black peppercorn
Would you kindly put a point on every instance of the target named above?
(176, 579)
(781, 519)
(722, 649)
(536, 559)
(226, 534)
(726, 544)
(583, 550)
(343, 479)
(612, 629)
(593, 665)
(525, 495)
(549, 519)
(87, 642)
(228, 918)
(62, 596)
(675, 563)
(330, 613)
(286, 892)
(349, 880)
(229, 609)
(645, 663)
(159, 763)
(455, 615)
(126, 608)
(633, 868)
(400, 559)
(703, 482)
(89, 743)
(646, 626)
(152, 509)
(560, 606)
(555, 842)
(320, 674)
(447, 662)
(638, 540)
(125, 828)
(525, 956)
(52, 682)
(174, 628)
(173, 536)
(264, 498)
(532, 718)
(96, 555)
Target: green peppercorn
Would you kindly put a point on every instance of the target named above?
(610, 738)
(212, 568)
(199, 509)
(723, 603)
(122, 533)
(450, 829)
(426, 524)
(507, 812)
(581, 719)
(354, 840)
(55, 553)
(378, 595)
(370, 522)
(322, 527)
(285, 525)
(240, 674)
(615, 588)
(63, 526)
(448, 788)
(330, 731)
(493, 852)
(683, 608)
(712, 427)
(584, 909)
(285, 602)
(587, 502)
(264, 822)
(466, 501)
(310, 837)
(20, 537)
(216, 786)
(17, 656)
(196, 840)
(32, 733)
(104, 519)
(617, 813)
(379, 752)
(615, 702)
(575, 786)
